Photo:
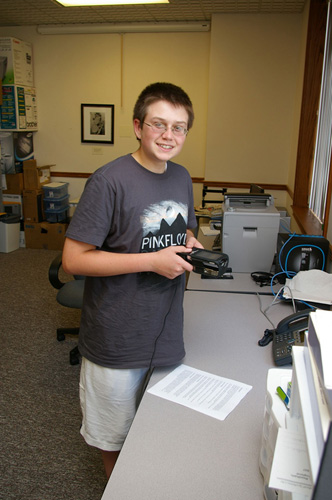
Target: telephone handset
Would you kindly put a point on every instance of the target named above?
(289, 332)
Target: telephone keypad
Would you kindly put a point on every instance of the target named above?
(282, 346)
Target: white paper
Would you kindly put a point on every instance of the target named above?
(201, 391)
(314, 285)
(290, 468)
(322, 323)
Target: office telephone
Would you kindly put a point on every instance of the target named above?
(289, 332)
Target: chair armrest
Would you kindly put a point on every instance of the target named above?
(53, 272)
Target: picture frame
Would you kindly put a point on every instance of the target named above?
(97, 123)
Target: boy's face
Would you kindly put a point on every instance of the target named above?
(159, 146)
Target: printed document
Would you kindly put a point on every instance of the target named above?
(290, 468)
(201, 391)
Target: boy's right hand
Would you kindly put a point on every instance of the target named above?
(168, 263)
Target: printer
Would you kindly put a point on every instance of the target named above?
(249, 232)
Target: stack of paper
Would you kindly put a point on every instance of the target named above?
(320, 346)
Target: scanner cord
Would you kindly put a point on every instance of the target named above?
(151, 367)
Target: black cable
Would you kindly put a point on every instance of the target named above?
(151, 368)
(163, 326)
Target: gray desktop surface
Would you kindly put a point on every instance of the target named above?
(241, 283)
(173, 452)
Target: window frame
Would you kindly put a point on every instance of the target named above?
(307, 221)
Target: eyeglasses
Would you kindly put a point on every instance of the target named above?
(161, 128)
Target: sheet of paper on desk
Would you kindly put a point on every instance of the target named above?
(290, 468)
(201, 391)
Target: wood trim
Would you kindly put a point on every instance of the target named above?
(198, 180)
(307, 221)
(310, 100)
(195, 180)
(238, 185)
(78, 175)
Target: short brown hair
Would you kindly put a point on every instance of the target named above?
(161, 91)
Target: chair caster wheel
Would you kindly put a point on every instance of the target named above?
(60, 337)
(74, 356)
(74, 360)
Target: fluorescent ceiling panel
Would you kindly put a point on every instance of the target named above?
(89, 3)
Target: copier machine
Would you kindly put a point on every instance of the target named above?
(249, 231)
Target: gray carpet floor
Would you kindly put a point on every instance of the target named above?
(42, 455)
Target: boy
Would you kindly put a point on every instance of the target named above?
(133, 218)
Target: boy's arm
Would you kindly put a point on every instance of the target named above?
(84, 259)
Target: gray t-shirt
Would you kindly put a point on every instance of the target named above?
(133, 320)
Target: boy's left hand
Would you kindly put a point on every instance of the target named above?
(192, 241)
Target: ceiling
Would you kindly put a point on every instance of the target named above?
(35, 12)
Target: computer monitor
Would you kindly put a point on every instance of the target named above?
(300, 252)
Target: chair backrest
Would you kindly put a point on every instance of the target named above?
(70, 293)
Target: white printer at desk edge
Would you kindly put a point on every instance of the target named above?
(249, 232)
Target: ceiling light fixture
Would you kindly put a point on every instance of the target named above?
(91, 3)
(100, 28)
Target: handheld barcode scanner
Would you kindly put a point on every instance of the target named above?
(207, 263)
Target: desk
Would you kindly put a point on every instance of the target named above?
(175, 453)
(241, 283)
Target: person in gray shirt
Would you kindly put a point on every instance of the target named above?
(135, 214)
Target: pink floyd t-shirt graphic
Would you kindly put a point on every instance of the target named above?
(164, 224)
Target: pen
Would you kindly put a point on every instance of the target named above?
(283, 396)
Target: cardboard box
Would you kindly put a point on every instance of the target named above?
(18, 110)
(35, 177)
(45, 235)
(16, 62)
(33, 209)
(14, 184)
(13, 204)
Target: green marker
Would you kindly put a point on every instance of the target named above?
(283, 396)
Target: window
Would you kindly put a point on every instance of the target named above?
(322, 156)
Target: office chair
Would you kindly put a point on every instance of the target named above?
(70, 294)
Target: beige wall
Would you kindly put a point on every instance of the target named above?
(244, 78)
(253, 97)
(75, 69)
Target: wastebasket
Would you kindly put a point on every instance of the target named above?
(9, 232)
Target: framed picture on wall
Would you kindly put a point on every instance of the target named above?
(97, 123)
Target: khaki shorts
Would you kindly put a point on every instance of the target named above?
(109, 399)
